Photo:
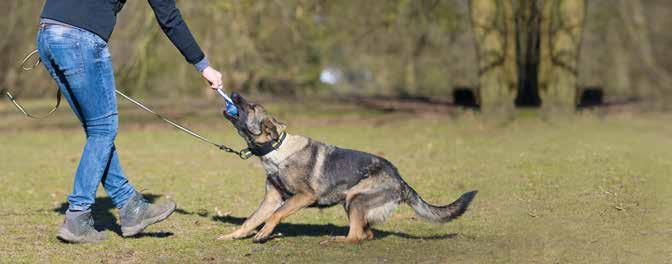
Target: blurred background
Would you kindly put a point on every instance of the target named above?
(399, 49)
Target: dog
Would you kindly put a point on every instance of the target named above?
(302, 172)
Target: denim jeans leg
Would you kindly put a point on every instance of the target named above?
(79, 61)
(115, 182)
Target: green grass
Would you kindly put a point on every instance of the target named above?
(581, 189)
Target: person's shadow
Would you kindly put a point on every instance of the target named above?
(313, 230)
(105, 219)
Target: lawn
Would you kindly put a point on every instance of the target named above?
(590, 188)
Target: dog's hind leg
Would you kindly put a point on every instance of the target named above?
(357, 224)
(366, 209)
(377, 198)
(358, 227)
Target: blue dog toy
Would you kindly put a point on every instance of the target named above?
(231, 108)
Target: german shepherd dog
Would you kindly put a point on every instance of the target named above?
(301, 172)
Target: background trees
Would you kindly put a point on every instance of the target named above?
(397, 48)
(526, 49)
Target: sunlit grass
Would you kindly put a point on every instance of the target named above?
(580, 189)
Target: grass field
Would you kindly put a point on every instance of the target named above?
(584, 189)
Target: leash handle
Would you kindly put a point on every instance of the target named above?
(27, 58)
(18, 105)
(23, 110)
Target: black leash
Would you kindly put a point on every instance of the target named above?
(243, 154)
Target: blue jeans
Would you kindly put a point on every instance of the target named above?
(80, 63)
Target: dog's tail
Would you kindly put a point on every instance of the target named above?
(438, 214)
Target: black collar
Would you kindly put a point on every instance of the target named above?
(263, 149)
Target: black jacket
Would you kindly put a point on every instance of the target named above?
(100, 16)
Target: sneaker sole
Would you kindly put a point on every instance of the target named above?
(66, 236)
(134, 230)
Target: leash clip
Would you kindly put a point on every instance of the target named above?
(245, 154)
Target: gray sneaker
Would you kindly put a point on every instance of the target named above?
(137, 214)
(78, 228)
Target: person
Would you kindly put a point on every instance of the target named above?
(73, 44)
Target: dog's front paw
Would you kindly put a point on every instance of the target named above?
(259, 238)
(263, 236)
(233, 235)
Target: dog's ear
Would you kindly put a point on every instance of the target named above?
(273, 128)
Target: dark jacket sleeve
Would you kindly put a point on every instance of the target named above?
(176, 29)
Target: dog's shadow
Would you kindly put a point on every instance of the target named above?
(313, 230)
(105, 219)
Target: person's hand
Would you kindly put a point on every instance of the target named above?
(213, 77)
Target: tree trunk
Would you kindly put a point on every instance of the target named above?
(493, 24)
(561, 28)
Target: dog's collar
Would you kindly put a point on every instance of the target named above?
(263, 149)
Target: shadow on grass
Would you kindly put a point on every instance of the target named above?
(105, 219)
(312, 230)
